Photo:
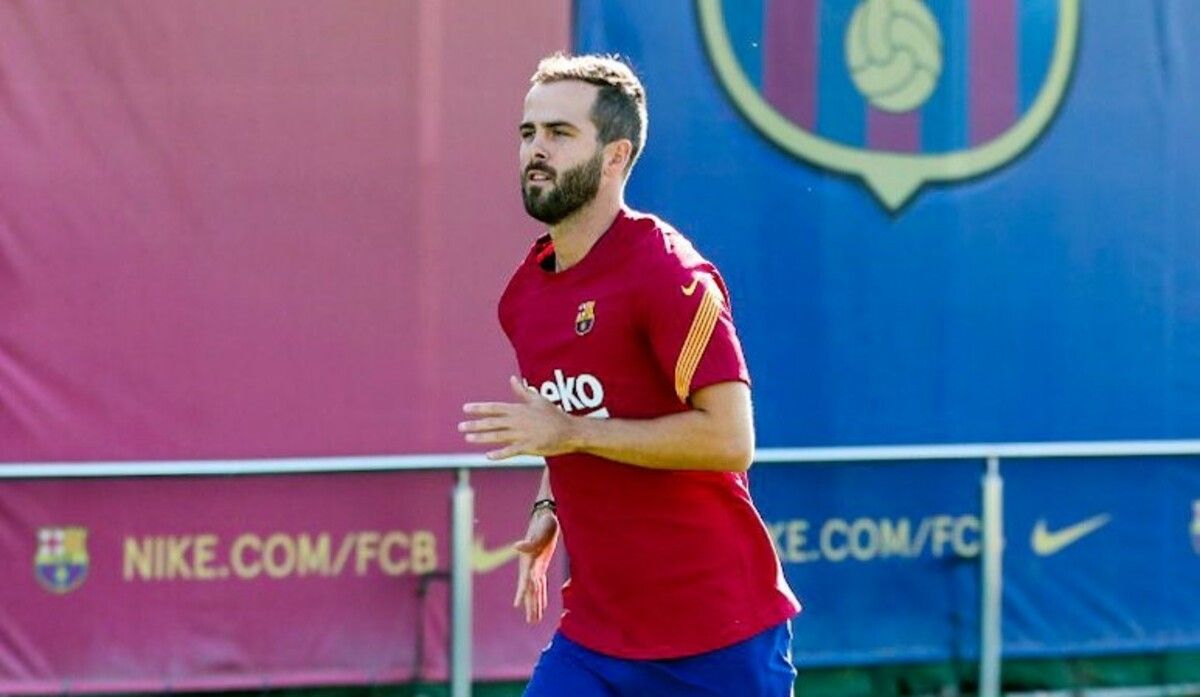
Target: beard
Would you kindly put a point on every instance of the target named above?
(576, 188)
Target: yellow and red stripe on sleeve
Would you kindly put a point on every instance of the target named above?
(703, 323)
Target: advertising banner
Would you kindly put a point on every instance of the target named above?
(152, 584)
(239, 230)
(886, 557)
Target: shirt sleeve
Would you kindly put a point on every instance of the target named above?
(688, 321)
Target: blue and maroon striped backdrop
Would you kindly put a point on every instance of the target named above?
(995, 57)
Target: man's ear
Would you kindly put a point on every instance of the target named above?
(616, 157)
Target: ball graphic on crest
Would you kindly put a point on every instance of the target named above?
(894, 52)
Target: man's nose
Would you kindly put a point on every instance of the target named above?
(540, 147)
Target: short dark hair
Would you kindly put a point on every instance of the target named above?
(620, 108)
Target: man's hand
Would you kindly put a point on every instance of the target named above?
(531, 426)
(536, 551)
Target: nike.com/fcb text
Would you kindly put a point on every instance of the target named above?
(279, 555)
(865, 539)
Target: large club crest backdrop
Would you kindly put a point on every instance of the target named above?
(895, 91)
(941, 220)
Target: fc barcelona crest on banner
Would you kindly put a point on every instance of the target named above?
(896, 92)
(61, 563)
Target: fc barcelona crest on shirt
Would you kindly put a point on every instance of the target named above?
(61, 563)
(896, 92)
(585, 318)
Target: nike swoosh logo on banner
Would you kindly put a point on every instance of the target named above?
(487, 560)
(1046, 543)
(688, 290)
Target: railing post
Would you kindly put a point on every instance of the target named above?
(991, 579)
(461, 580)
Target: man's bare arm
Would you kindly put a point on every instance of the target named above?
(716, 434)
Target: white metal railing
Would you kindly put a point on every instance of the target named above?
(463, 504)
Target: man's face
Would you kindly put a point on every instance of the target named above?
(561, 162)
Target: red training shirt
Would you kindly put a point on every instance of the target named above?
(663, 563)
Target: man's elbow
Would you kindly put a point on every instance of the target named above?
(729, 425)
(737, 454)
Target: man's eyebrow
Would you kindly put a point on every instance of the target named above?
(549, 124)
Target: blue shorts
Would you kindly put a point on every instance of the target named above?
(760, 666)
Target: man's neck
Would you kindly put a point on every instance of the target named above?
(574, 236)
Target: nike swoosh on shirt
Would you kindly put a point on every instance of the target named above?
(689, 289)
(1046, 543)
